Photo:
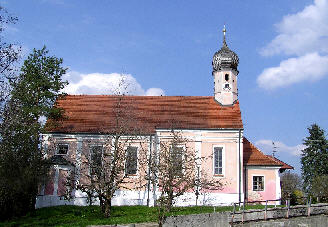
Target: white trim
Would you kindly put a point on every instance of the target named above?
(56, 180)
(258, 175)
(237, 165)
(223, 161)
(263, 167)
(216, 130)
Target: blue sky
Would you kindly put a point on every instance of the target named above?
(166, 47)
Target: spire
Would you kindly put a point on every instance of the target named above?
(224, 36)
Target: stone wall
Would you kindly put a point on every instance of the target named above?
(211, 220)
(318, 220)
(250, 217)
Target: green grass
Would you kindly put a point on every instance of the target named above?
(83, 216)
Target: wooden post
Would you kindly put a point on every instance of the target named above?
(265, 212)
(242, 218)
(309, 206)
(233, 214)
(288, 205)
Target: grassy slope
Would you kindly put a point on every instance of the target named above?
(83, 216)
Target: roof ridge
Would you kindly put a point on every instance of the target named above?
(144, 96)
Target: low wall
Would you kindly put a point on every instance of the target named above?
(318, 220)
(223, 219)
(219, 219)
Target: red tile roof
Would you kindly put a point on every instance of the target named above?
(254, 157)
(284, 165)
(99, 113)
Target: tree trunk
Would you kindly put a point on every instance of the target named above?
(107, 207)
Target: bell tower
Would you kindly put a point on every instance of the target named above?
(225, 63)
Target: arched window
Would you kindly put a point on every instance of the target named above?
(226, 77)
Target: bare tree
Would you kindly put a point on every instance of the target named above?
(176, 171)
(290, 183)
(9, 55)
(109, 163)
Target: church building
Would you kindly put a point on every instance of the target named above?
(212, 124)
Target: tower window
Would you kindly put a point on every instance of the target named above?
(226, 77)
(226, 86)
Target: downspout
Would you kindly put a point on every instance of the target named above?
(240, 183)
(245, 184)
(149, 164)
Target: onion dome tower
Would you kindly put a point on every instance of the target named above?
(225, 64)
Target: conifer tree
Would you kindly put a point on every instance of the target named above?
(314, 157)
(22, 163)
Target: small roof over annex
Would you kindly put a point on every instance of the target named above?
(254, 157)
(103, 113)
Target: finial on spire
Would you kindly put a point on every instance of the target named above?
(224, 35)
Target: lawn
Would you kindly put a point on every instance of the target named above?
(91, 215)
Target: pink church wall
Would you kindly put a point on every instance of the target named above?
(227, 140)
(49, 187)
(62, 180)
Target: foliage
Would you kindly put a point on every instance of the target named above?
(297, 197)
(67, 216)
(290, 183)
(22, 163)
(314, 157)
(320, 188)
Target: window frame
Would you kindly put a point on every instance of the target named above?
(125, 163)
(258, 190)
(57, 148)
(223, 160)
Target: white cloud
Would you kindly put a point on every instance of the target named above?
(304, 35)
(103, 84)
(303, 32)
(267, 147)
(310, 67)
(154, 92)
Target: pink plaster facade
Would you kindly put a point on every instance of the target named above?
(271, 189)
(201, 142)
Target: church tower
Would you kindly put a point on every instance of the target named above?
(225, 63)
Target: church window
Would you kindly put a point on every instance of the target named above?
(131, 160)
(177, 159)
(226, 77)
(218, 160)
(62, 149)
(258, 183)
(96, 159)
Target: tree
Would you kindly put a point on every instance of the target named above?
(22, 163)
(9, 55)
(320, 188)
(290, 182)
(176, 170)
(314, 157)
(109, 162)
